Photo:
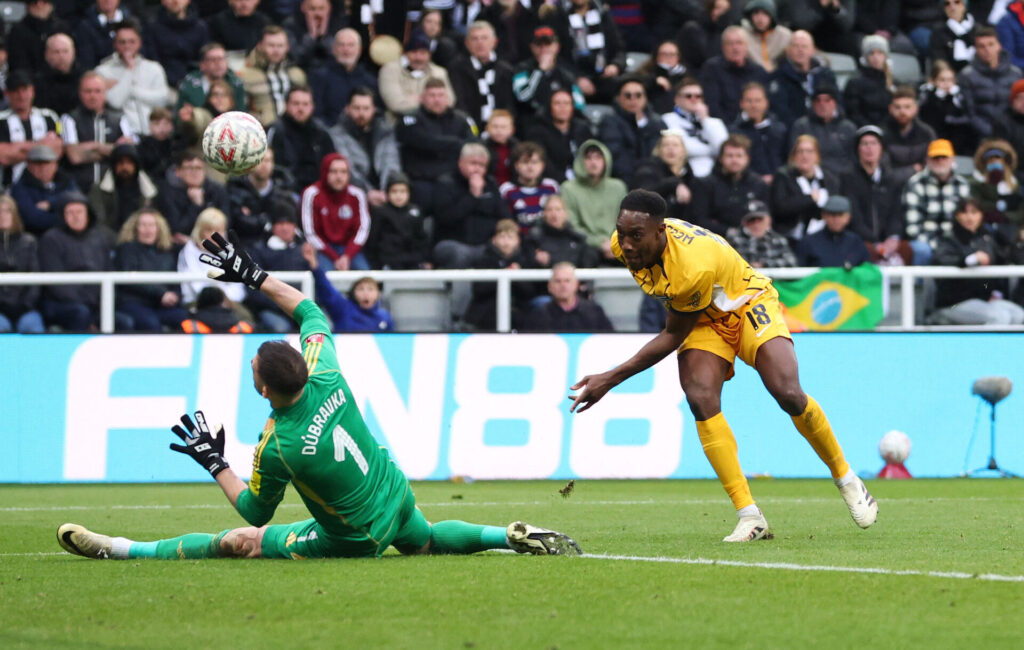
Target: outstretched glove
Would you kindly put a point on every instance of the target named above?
(204, 448)
(231, 262)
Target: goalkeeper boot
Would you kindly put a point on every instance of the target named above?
(524, 538)
(79, 540)
(750, 528)
(863, 507)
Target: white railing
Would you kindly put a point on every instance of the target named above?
(903, 276)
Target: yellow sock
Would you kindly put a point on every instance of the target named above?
(813, 425)
(720, 448)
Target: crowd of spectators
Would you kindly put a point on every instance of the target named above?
(408, 134)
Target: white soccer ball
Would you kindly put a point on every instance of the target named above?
(234, 143)
(894, 447)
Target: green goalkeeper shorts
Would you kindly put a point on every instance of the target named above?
(407, 530)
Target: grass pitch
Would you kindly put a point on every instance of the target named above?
(942, 568)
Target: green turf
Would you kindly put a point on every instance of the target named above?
(496, 600)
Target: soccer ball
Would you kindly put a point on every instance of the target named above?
(234, 143)
(894, 447)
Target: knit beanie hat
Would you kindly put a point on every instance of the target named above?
(873, 43)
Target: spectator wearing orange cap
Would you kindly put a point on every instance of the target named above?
(930, 198)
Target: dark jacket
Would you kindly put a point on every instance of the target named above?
(585, 316)
(93, 41)
(463, 78)
(720, 201)
(251, 214)
(658, 98)
(466, 218)
(655, 175)
(237, 32)
(173, 202)
(943, 42)
(26, 43)
(949, 118)
(988, 90)
(953, 250)
(155, 156)
(560, 147)
(61, 250)
(827, 248)
(875, 209)
(18, 254)
(300, 147)
(398, 239)
(907, 150)
(723, 83)
(430, 143)
(29, 191)
(769, 145)
(175, 43)
(562, 244)
(866, 97)
(790, 206)
(58, 91)
(332, 86)
(835, 139)
(920, 13)
(789, 90)
(309, 52)
(134, 256)
(482, 308)
(628, 142)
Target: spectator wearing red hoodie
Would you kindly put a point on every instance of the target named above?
(335, 217)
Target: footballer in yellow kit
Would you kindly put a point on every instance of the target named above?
(718, 307)
(701, 272)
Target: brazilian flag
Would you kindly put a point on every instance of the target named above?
(835, 299)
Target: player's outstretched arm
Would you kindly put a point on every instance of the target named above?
(207, 449)
(677, 328)
(232, 263)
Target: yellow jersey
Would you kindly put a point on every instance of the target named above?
(699, 270)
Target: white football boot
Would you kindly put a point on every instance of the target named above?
(863, 507)
(750, 528)
(524, 538)
(79, 540)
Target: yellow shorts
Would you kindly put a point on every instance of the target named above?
(741, 332)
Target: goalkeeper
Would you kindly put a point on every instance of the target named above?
(316, 439)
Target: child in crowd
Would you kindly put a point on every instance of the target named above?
(527, 192)
(944, 108)
(502, 252)
(398, 238)
(360, 311)
(499, 136)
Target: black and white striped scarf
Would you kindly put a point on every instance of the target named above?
(277, 78)
(485, 84)
(588, 37)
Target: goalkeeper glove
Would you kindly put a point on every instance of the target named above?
(204, 448)
(231, 262)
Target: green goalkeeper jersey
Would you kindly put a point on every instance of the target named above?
(322, 446)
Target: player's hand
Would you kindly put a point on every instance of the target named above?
(594, 388)
(231, 262)
(204, 448)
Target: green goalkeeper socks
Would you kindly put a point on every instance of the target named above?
(194, 546)
(458, 537)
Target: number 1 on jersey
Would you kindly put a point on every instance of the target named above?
(343, 441)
